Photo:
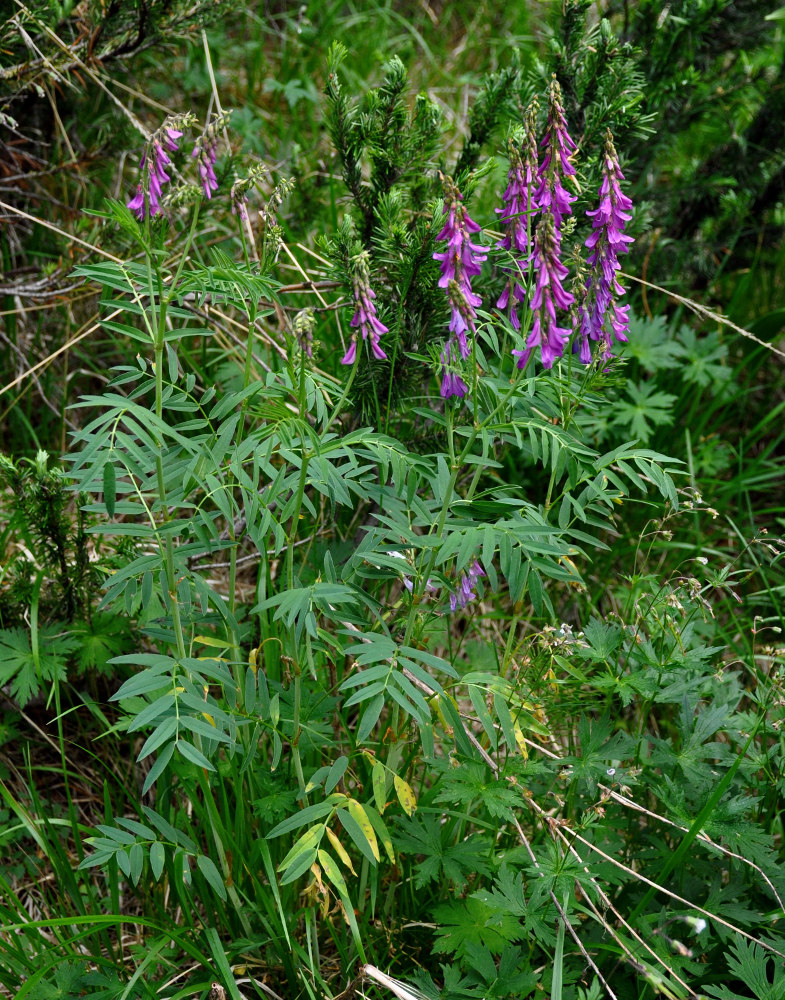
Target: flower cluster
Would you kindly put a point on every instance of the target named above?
(551, 193)
(517, 213)
(549, 295)
(606, 242)
(155, 159)
(554, 201)
(460, 262)
(206, 152)
(465, 592)
(239, 193)
(303, 326)
(365, 313)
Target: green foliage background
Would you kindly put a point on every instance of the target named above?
(236, 747)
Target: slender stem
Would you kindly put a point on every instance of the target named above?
(171, 577)
(184, 252)
(298, 766)
(234, 638)
(457, 465)
(344, 394)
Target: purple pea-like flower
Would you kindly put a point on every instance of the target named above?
(516, 215)
(206, 150)
(465, 592)
(365, 316)
(460, 262)
(606, 242)
(554, 203)
(549, 295)
(452, 383)
(551, 194)
(155, 159)
(170, 137)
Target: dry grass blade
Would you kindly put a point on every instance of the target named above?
(69, 237)
(704, 312)
(63, 347)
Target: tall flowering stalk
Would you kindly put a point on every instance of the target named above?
(554, 202)
(155, 160)
(519, 208)
(205, 151)
(460, 262)
(600, 309)
(364, 317)
(549, 295)
(551, 194)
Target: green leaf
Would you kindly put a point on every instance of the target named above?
(212, 875)
(333, 872)
(379, 780)
(307, 815)
(470, 921)
(158, 768)
(370, 717)
(157, 859)
(335, 774)
(355, 831)
(189, 751)
(109, 488)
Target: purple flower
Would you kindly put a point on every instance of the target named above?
(155, 159)
(365, 313)
(206, 149)
(461, 261)
(549, 295)
(554, 203)
(519, 208)
(239, 200)
(606, 242)
(558, 146)
(169, 138)
(465, 592)
(452, 383)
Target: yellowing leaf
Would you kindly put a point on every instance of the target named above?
(211, 640)
(521, 741)
(333, 872)
(381, 832)
(405, 795)
(436, 704)
(308, 840)
(359, 815)
(379, 786)
(210, 719)
(340, 850)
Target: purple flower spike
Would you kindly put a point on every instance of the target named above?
(606, 242)
(155, 159)
(519, 208)
(549, 295)
(558, 147)
(460, 262)
(364, 317)
(554, 202)
(206, 150)
(465, 592)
